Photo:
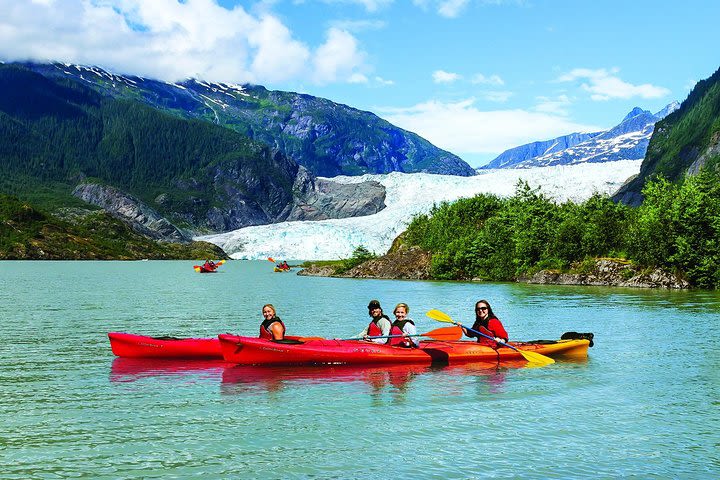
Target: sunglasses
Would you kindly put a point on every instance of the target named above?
(481, 309)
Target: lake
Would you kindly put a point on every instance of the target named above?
(645, 404)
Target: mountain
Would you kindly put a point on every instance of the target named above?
(683, 142)
(626, 141)
(327, 138)
(514, 156)
(153, 169)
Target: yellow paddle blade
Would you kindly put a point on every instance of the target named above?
(197, 269)
(536, 359)
(439, 316)
(220, 262)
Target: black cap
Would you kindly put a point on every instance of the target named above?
(373, 304)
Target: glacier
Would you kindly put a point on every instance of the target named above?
(409, 194)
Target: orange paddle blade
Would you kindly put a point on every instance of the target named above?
(270, 259)
(445, 333)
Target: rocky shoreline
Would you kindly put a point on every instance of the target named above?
(412, 263)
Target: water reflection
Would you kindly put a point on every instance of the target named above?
(380, 380)
(131, 369)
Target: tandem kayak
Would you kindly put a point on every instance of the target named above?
(208, 268)
(257, 351)
(141, 346)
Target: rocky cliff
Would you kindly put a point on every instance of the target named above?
(614, 273)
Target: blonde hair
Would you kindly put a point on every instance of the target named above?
(404, 305)
(270, 305)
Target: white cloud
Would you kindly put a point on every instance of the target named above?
(498, 96)
(370, 5)
(557, 105)
(359, 25)
(479, 78)
(338, 58)
(357, 78)
(451, 8)
(173, 40)
(382, 81)
(441, 76)
(463, 129)
(605, 85)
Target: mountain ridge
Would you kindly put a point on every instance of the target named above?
(627, 140)
(327, 138)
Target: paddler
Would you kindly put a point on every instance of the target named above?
(403, 326)
(272, 328)
(379, 326)
(487, 323)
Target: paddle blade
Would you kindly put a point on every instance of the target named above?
(445, 333)
(220, 262)
(536, 359)
(270, 259)
(197, 268)
(439, 316)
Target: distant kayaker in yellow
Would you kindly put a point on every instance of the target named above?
(379, 325)
(272, 328)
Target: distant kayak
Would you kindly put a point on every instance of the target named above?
(256, 351)
(277, 269)
(208, 268)
(141, 346)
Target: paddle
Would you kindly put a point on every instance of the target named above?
(443, 333)
(533, 357)
(270, 259)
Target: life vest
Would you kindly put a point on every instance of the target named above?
(265, 331)
(373, 329)
(492, 328)
(397, 329)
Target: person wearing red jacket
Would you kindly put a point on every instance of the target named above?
(487, 323)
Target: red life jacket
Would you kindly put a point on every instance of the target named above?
(265, 331)
(373, 329)
(397, 329)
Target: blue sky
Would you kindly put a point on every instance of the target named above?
(475, 77)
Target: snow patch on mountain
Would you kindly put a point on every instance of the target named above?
(626, 141)
(408, 195)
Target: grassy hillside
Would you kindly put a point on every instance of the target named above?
(27, 233)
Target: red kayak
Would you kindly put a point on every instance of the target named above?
(141, 346)
(257, 351)
(208, 267)
(130, 345)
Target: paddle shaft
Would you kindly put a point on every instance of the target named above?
(385, 336)
(488, 336)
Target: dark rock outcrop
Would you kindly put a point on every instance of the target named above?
(614, 273)
(140, 217)
(320, 199)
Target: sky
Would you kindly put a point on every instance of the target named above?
(474, 77)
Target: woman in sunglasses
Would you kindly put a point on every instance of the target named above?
(487, 323)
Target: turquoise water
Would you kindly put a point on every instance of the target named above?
(645, 404)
